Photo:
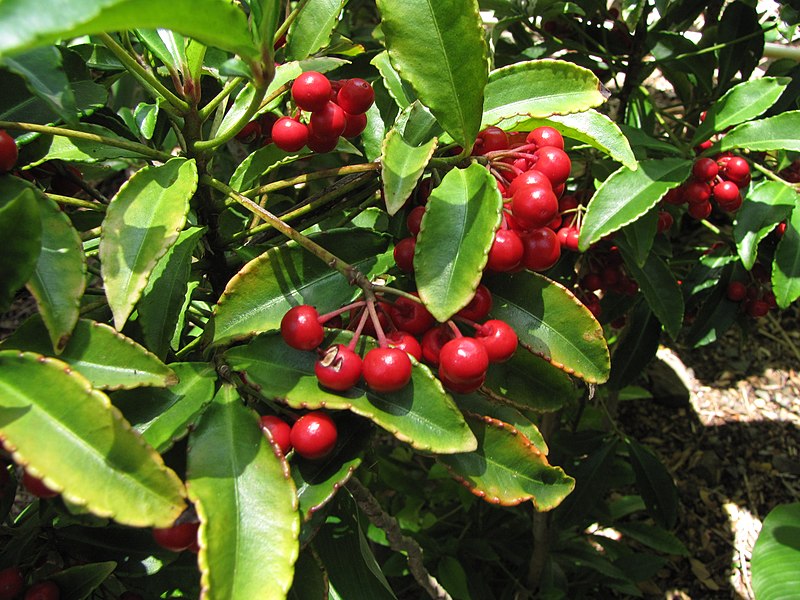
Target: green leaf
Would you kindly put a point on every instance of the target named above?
(143, 220)
(108, 359)
(507, 468)
(60, 275)
(592, 480)
(265, 16)
(163, 298)
(626, 195)
(552, 323)
(659, 287)
(421, 414)
(655, 484)
(768, 203)
(259, 163)
(310, 580)
(640, 236)
(636, 347)
(78, 582)
(776, 555)
(397, 88)
(313, 27)
(169, 47)
(21, 232)
(213, 22)
(478, 404)
(163, 416)
(741, 103)
(781, 132)
(457, 230)
(539, 88)
(146, 116)
(654, 537)
(76, 438)
(439, 49)
(246, 502)
(589, 127)
(786, 265)
(256, 299)
(714, 318)
(44, 76)
(402, 164)
(82, 151)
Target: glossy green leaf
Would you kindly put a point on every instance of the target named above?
(626, 195)
(256, 299)
(246, 502)
(78, 582)
(417, 124)
(108, 359)
(655, 484)
(507, 468)
(592, 480)
(21, 232)
(163, 298)
(42, 430)
(776, 555)
(741, 103)
(310, 579)
(539, 88)
(214, 22)
(41, 68)
(714, 318)
(660, 289)
(313, 27)
(478, 404)
(146, 116)
(461, 216)
(259, 163)
(589, 127)
(169, 47)
(402, 164)
(640, 236)
(163, 416)
(60, 275)
(84, 151)
(552, 323)
(786, 265)
(781, 132)
(397, 88)
(767, 204)
(636, 347)
(265, 16)
(439, 49)
(654, 537)
(143, 220)
(532, 383)
(421, 414)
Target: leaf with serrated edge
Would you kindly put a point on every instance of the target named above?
(312, 27)
(781, 132)
(401, 167)
(767, 204)
(456, 232)
(391, 80)
(60, 276)
(439, 49)
(246, 502)
(75, 438)
(786, 265)
(479, 404)
(21, 232)
(507, 468)
(552, 323)
(539, 88)
(84, 151)
(258, 296)
(421, 414)
(261, 162)
(108, 359)
(626, 195)
(143, 220)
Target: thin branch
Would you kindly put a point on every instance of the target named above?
(230, 132)
(69, 200)
(323, 174)
(206, 111)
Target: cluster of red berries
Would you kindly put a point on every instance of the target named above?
(8, 152)
(12, 583)
(337, 108)
(720, 179)
(312, 436)
(756, 298)
(604, 272)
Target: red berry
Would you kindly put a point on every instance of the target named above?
(592, 302)
(506, 251)
(37, 487)
(610, 276)
(479, 306)
(404, 254)
(541, 249)
(432, 342)
(387, 369)
(736, 169)
(530, 177)
(568, 238)
(321, 145)
(463, 360)
(554, 163)
(11, 583)
(44, 590)
(591, 282)
(314, 435)
(674, 196)
(696, 192)
(176, 538)
(534, 206)
(705, 169)
(546, 136)
(301, 329)
(339, 368)
(489, 140)
(726, 194)
(498, 338)
(756, 308)
(311, 91)
(700, 210)
(405, 342)
(355, 96)
(279, 430)
(356, 124)
(328, 122)
(665, 221)
(249, 132)
(8, 152)
(464, 387)
(408, 315)
(737, 291)
(289, 134)
(414, 219)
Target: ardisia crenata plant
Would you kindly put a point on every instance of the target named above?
(324, 292)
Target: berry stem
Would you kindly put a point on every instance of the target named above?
(774, 177)
(376, 322)
(209, 108)
(362, 321)
(710, 226)
(385, 289)
(454, 328)
(335, 313)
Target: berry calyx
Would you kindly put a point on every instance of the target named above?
(387, 369)
(8, 152)
(463, 360)
(288, 134)
(339, 368)
(278, 431)
(44, 590)
(498, 339)
(178, 537)
(311, 91)
(301, 329)
(355, 96)
(314, 435)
